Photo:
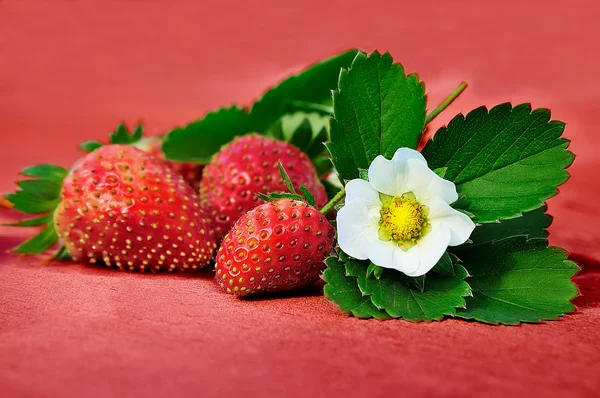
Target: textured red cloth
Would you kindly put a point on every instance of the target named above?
(70, 70)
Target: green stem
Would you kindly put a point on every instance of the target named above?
(312, 106)
(445, 103)
(334, 201)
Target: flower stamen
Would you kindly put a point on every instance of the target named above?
(403, 220)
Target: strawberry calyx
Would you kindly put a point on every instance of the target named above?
(121, 135)
(306, 196)
(38, 195)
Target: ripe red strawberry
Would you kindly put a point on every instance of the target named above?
(120, 206)
(247, 166)
(275, 247)
(191, 173)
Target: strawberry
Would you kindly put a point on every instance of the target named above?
(247, 166)
(275, 247)
(123, 207)
(191, 172)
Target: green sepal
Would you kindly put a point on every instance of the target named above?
(445, 265)
(343, 256)
(39, 243)
(441, 171)
(285, 177)
(343, 290)
(90, 146)
(61, 254)
(273, 196)
(30, 203)
(518, 280)
(374, 270)
(41, 189)
(307, 195)
(121, 135)
(416, 281)
(363, 174)
(32, 222)
(47, 172)
(39, 194)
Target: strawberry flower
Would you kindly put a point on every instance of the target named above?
(401, 218)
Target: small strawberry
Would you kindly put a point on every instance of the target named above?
(121, 206)
(275, 247)
(249, 165)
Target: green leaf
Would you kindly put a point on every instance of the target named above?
(445, 265)
(32, 222)
(518, 280)
(313, 85)
(90, 146)
(39, 243)
(48, 172)
(401, 300)
(121, 135)
(322, 165)
(307, 131)
(532, 224)
(307, 195)
(343, 290)
(504, 161)
(377, 109)
(200, 140)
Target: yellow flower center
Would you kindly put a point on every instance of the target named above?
(403, 220)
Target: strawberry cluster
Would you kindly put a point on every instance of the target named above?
(127, 207)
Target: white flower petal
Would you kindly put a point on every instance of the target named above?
(429, 249)
(380, 252)
(405, 262)
(387, 254)
(402, 155)
(384, 178)
(425, 184)
(363, 191)
(354, 225)
(459, 224)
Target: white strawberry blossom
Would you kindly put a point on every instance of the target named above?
(401, 218)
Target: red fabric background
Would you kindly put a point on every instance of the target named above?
(71, 70)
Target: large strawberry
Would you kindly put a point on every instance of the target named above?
(124, 208)
(249, 165)
(117, 206)
(277, 246)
